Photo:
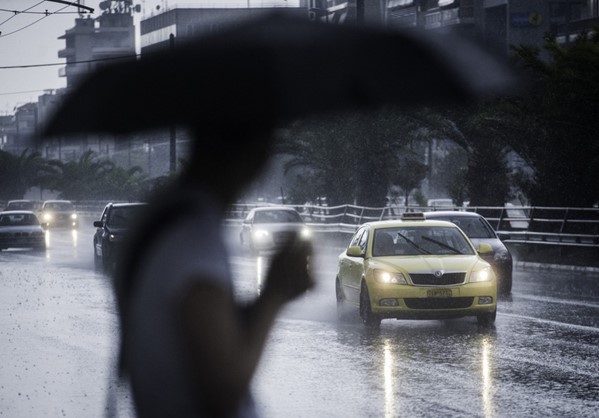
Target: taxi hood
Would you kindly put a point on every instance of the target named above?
(425, 263)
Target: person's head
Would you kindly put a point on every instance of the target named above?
(226, 163)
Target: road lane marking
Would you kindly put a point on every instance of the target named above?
(547, 321)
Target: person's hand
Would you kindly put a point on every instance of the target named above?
(289, 274)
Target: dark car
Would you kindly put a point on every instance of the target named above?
(111, 229)
(59, 214)
(21, 229)
(478, 229)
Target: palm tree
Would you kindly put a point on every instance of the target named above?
(82, 179)
(349, 157)
(18, 173)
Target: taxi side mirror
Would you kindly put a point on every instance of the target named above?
(354, 251)
(484, 248)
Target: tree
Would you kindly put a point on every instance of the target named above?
(19, 173)
(92, 178)
(409, 172)
(555, 125)
(123, 184)
(355, 156)
(81, 179)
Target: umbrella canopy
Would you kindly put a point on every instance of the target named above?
(265, 72)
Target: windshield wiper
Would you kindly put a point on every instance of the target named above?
(441, 244)
(412, 243)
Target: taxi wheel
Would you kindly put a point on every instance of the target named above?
(368, 318)
(486, 319)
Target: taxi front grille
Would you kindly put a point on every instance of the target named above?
(429, 279)
(439, 303)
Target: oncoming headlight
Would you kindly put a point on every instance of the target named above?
(382, 276)
(260, 234)
(74, 216)
(47, 216)
(483, 275)
(305, 233)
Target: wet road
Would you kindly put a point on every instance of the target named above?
(58, 327)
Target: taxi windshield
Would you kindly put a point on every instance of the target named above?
(419, 240)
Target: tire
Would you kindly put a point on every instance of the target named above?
(97, 260)
(107, 265)
(486, 319)
(371, 320)
(505, 287)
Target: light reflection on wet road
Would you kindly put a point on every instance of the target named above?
(58, 324)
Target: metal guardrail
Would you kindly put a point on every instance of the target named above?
(524, 224)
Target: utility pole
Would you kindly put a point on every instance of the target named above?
(173, 136)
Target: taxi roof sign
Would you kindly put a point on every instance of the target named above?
(412, 216)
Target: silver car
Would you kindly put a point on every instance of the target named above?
(266, 228)
(21, 229)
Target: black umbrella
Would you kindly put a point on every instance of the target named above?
(272, 70)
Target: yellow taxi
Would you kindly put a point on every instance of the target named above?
(415, 269)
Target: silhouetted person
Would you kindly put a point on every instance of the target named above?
(189, 349)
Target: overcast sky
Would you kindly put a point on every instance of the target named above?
(31, 38)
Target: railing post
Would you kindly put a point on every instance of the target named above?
(561, 229)
(501, 219)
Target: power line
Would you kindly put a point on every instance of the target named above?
(29, 25)
(46, 14)
(70, 3)
(17, 12)
(24, 92)
(12, 67)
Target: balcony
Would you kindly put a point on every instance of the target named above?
(66, 53)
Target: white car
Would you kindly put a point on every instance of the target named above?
(59, 213)
(266, 228)
(21, 229)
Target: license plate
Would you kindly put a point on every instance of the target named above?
(438, 293)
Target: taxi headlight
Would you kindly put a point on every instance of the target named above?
(382, 276)
(113, 238)
(483, 275)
